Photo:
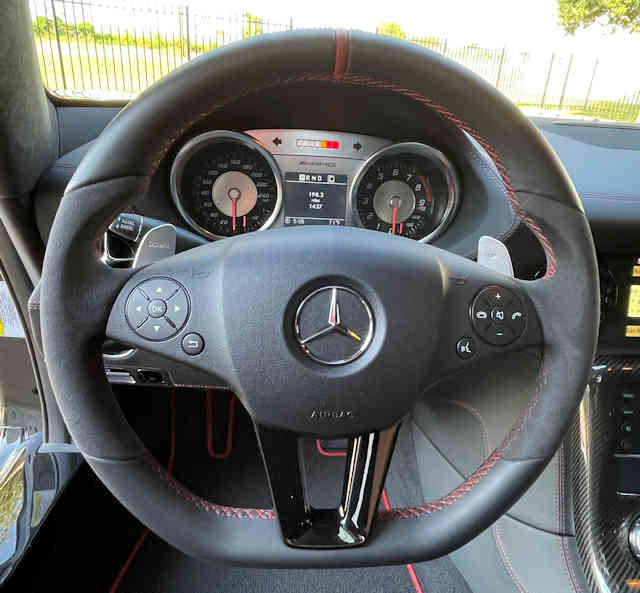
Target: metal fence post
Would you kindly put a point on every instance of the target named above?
(180, 33)
(291, 24)
(55, 25)
(546, 84)
(504, 49)
(593, 75)
(566, 80)
(186, 14)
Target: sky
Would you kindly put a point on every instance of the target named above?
(516, 23)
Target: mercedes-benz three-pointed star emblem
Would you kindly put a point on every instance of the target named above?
(340, 337)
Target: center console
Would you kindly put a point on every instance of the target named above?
(605, 438)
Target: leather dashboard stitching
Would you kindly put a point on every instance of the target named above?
(506, 561)
(504, 557)
(474, 479)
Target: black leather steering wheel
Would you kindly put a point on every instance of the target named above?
(416, 318)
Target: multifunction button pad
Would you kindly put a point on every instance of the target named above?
(157, 309)
(498, 315)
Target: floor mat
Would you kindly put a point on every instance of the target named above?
(228, 469)
(91, 543)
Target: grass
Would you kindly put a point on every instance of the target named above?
(619, 111)
(124, 71)
(611, 110)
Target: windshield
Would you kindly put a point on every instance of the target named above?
(553, 58)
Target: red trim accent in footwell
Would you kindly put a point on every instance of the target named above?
(326, 453)
(209, 413)
(412, 572)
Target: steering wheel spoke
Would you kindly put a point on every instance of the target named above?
(168, 308)
(349, 524)
(485, 316)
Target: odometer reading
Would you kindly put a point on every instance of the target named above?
(227, 188)
(407, 189)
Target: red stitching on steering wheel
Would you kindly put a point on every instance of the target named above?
(461, 124)
(342, 77)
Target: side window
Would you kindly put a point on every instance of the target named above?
(24, 497)
(20, 412)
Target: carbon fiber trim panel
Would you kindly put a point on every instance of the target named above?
(601, 516)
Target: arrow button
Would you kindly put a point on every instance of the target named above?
(136, 309)
(178, 308)
(156, 329)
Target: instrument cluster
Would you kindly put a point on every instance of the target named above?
(226, 183)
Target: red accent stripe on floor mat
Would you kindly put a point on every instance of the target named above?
(326, 453)
(209, 412)
(412, 572)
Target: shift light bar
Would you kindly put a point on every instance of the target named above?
(309, 143)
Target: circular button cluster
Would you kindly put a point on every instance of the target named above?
(157, 309)
(498, 315)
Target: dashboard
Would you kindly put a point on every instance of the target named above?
(333, 177)
(600, 158)
(226, 183)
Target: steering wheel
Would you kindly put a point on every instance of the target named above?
(247, 310)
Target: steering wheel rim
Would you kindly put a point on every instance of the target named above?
(79, 292)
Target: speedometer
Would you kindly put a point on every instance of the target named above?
(224, 183)
(407, 189)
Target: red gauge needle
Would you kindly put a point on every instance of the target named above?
(427, 189)
(395, 220)
(234, 207)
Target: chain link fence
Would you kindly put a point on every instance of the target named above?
(96, 49)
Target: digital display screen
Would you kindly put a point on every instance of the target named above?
(314, 198)
(633, 308)
(632, 331)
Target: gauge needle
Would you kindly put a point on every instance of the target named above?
(234, 207)
(395, 220)
(427, 189)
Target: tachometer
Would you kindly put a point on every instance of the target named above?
(407, 189)
(224, 183)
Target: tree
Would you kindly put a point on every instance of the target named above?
(43, 26)
(580, 14)
(252, 25)
(392, 29)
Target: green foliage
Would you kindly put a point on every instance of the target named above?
(580, 14)
(42, 26)
(391, 29)
(45, 28)
(252, 25)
